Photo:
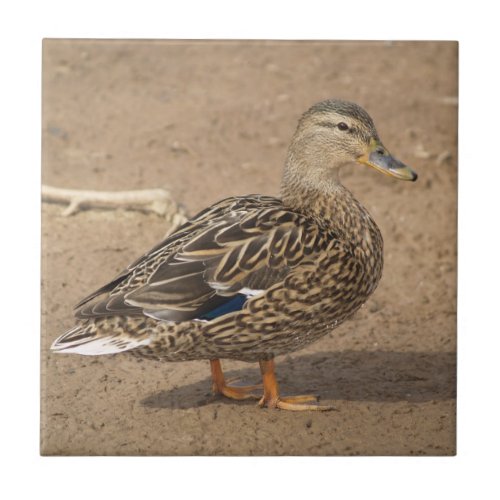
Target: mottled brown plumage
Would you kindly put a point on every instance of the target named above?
(253, 277)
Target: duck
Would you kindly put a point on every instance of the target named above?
(254, 277)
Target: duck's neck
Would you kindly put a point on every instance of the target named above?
(314, 195)
(325, 199)
(311, 182)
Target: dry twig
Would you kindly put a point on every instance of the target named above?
(157, 201)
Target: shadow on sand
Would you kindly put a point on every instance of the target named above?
(379, 376)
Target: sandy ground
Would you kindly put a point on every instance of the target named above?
(209, 120)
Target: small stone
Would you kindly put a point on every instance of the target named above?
(420, 152)
(177, 147)
(272, 67)
(443, 158)
(274, 141)
(449, 100)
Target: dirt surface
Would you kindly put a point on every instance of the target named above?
(208, 120)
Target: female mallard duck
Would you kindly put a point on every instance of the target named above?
(253, 277)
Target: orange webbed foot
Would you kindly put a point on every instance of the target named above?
(272, 399)
(221, 386)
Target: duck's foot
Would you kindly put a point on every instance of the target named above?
(294, 403)
(237, 392)
(272, 399)
(221, 386)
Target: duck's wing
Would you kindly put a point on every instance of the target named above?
(211, 265)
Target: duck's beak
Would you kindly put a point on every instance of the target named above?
(380, 159)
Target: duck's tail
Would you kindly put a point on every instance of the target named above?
(101, 336)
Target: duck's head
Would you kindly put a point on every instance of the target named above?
(334, 133)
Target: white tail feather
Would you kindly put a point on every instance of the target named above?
(95, 346)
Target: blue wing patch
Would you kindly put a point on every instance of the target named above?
(234, 303)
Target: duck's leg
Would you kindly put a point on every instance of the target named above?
(220, 385)
(272, 399)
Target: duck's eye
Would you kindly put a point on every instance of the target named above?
(342, 126)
